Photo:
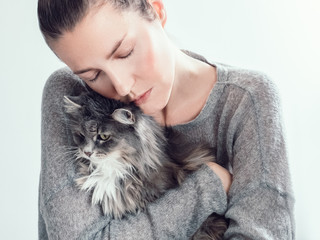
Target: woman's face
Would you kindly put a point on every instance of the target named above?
(121, 56)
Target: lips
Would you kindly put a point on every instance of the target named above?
(142, 98)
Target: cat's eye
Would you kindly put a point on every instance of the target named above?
(103, 137)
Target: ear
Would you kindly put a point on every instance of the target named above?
(160, 10)
(123, 116)
(70, 104)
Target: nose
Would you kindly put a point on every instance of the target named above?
(88, 154)
(121, 82)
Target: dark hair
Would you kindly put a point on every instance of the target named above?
(58, 16)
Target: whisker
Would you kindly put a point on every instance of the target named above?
(66, 155)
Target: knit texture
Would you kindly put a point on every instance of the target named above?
(241, 121)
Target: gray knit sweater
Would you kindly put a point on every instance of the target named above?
(240, 121)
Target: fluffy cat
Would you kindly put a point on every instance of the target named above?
(127, 160)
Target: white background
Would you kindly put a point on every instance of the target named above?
(280, 38)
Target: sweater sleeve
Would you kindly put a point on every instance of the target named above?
(260, 199)
(67, 213)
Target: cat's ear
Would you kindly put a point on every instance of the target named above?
(123, 116)
(71, 105)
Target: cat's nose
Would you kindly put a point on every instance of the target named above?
(88, 153)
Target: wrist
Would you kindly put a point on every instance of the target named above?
(223, 174)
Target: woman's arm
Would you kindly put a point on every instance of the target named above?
(260, 198)
(67, 213)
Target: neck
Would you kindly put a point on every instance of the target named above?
(193, 82)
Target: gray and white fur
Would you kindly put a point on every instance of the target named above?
(127, 160)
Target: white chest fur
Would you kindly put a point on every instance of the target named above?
(104, 179)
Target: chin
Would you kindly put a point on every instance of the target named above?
(154, 107)
(152, 110)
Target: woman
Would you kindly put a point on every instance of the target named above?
(120, 50)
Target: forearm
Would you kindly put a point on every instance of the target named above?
(179, 213)
(261, 213)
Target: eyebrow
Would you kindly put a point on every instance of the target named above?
(114, 49)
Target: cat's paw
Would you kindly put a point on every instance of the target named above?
(80, 181)
(84, 171)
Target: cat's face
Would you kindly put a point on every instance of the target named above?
(101, 126)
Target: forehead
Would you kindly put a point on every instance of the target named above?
(99, 29)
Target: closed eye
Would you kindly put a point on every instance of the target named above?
(95, 77)
(126, 55)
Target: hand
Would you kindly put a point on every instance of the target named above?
(223, 174)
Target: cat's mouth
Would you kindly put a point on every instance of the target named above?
(100, 155)
(93, 156)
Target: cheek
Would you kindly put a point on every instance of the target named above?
(153, 66)
(144, 63)
(104, 88)
(150, 58)
(161, 61)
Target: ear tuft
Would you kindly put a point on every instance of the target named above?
(123, 116)
(70, 105)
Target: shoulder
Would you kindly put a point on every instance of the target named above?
(258, 86)
(244, 80)
(251, 81)
(62, 82)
